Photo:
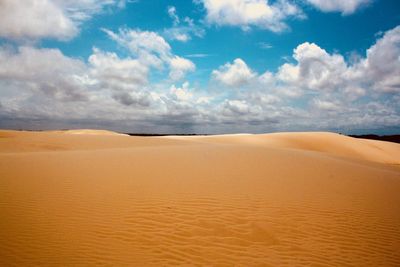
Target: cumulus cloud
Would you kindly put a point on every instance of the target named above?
(179, 67)
(382, 64)
(41, 19)
(47, 85)
(236, 107)
(249, 13)
(149, 47)
(346, 7)
(325, 105)
(178, 34)
(152, 50)
(43, 71)
(138, 99)
(335, 91)
(234, 74)
(36, 19)
(112, 71)
(181, 93)
(315, 68)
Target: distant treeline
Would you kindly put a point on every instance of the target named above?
(389, 138)
(150, 134)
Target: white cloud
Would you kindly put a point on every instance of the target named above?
(325, 105)
(264, 45)
(316, 69)
(267, 79)
(172, 13)
(235, 74)
(182, 30)
(81, 10)
(177, 34)
(137, 99)
(204, 100)
(331, 90)
(378, 72)
(36, 19)
(346, 7)
(179, 67)
(45, 85)
(41, 18)
(267, 99)
(151, 49)
(382, 65)
(248, 13)
(199, 55)
(181, 93)
(236, 107)
(43, 71)
(112, 71)
(125, 78)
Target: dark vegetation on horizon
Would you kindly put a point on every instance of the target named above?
(150, 134)
(388, 138)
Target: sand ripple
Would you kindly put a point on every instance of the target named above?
(198, 231)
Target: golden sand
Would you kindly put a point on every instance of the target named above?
(81, 198)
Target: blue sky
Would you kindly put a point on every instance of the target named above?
(204, 66)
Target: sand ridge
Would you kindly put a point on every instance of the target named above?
(89, 132)
(325, 142)
(287, 199)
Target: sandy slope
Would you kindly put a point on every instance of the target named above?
(287, 199)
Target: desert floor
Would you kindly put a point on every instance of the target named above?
(80, 198)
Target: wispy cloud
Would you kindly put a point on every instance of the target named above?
(198, 55)
(183, 29)
(264, 45)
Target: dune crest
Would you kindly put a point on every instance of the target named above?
(325, 142)
(90, 132)
(340, 145)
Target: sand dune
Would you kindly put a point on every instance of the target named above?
(329, 143)
(89, 197)
(89, 131)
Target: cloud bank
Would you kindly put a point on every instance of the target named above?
(316, 89)
(110, 90)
